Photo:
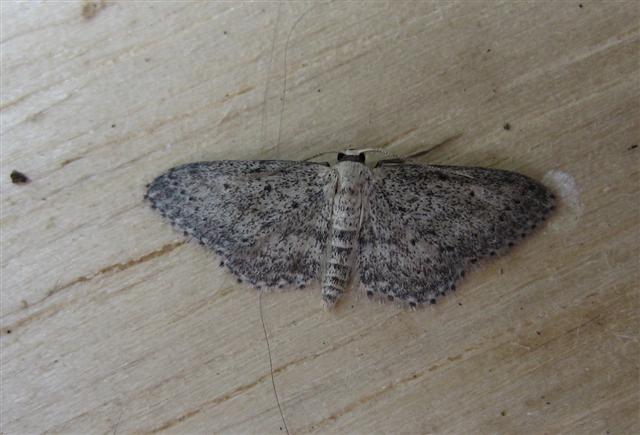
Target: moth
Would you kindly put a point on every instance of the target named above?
(399, 231)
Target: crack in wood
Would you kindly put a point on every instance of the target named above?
(117, 267)
(241, 389)
(361, 401)
(447, 141)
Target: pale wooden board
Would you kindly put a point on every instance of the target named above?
(111, 323)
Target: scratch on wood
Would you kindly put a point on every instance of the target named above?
(241, 389)
(455, 358)
(64, 426)
(458, 357)
(41, 314)
(229, 116)
(114, 267)
(273, 381)
(201, 304)
(585, 323)
(49, 311)
(115, 427)
(119, 267)
(284, 84)
(242, 91)
(67, 161)
(397, 138)
(559, 336)
(447, 141)
(175, 421)
(263, 128)
(213, 402)
(17, 100)
(353, 405)
(35, 117)
(89, 176)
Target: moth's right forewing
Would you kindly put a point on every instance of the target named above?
(268, 220)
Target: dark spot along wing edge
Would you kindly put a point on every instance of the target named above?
(268, 220)
(424, 226)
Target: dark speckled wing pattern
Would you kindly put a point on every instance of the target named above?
(268, 220)
(423, 226)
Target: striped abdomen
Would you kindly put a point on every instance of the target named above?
(347, 206)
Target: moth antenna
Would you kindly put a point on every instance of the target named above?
(381, 151)
(319, 154)
(410, 157)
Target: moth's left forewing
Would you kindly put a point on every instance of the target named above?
(425, 225)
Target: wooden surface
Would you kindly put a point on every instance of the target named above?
(112, 324)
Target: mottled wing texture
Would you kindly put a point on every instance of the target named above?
(268, 220)
(423, 226)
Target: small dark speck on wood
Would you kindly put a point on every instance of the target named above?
(632, 147)
(91, 9)
(18, 177)
(507, 126)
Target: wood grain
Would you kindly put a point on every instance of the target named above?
(112, 323)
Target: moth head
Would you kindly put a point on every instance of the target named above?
(352, 156)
